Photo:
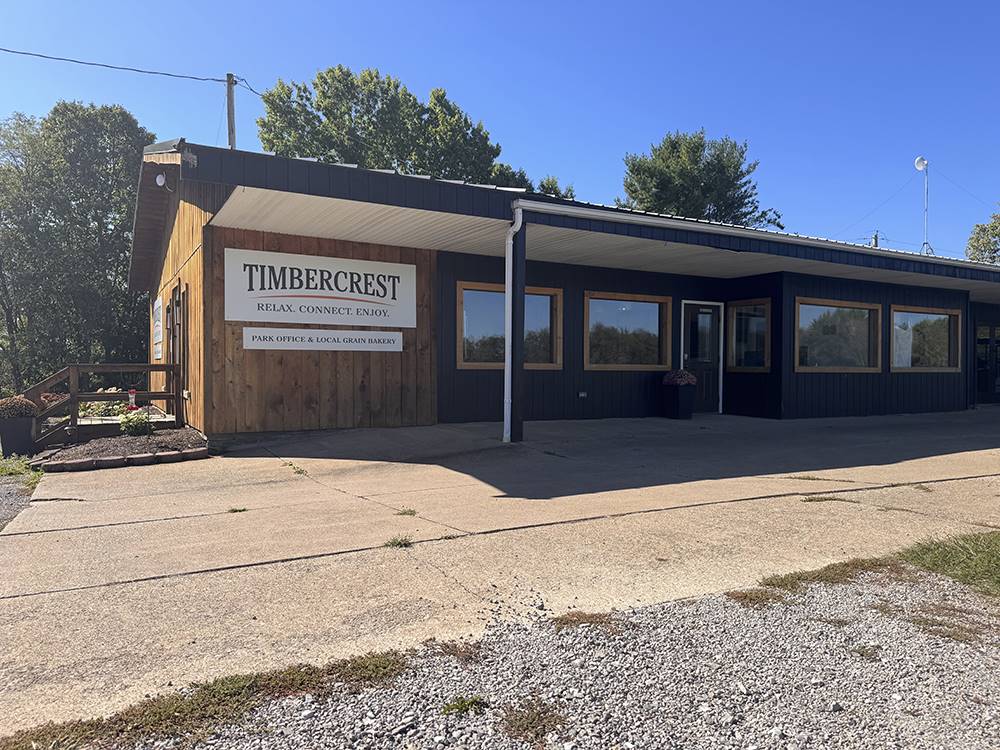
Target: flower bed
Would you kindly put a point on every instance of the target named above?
(162, 446)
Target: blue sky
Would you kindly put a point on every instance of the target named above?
(835, 99)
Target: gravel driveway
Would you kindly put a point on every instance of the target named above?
(14, 498)
(882, 662)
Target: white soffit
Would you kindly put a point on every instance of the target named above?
(580, 247)
(357, 221)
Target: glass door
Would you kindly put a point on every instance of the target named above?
(701, 336)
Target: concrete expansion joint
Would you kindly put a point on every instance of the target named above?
(507, 529)
(368, 499)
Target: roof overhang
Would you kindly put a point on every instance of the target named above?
(152, 210)
(359, 221)
(576, 235)
(305, 197)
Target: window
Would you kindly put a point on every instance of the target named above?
(625, 332)
(480, 327)
(750, 336)
(835, 336)
(925, 338)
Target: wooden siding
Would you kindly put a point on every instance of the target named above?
(193, 204)
(266, 390)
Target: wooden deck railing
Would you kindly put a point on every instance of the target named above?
(46, 432)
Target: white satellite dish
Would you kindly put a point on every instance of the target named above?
(920, 163)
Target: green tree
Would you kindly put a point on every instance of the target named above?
(550, 186)
(505, 175)
(689, 175)
(984, 242)
(374, 121)
(67, 193)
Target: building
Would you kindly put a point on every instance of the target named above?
(298, 295)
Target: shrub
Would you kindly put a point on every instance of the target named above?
(679, 377)
(136, 423)
(17, 406)
(104, 408)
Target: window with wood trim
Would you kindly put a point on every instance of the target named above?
(749, 336)
(480, 327)
(626, 331)
(837, 336)
(926, 339)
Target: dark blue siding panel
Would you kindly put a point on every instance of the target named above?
(477, 395)
(809, 394)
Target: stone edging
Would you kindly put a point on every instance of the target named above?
(113, 462)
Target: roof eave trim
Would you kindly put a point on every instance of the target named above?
(583, 212)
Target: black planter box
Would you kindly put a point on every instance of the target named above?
(678, 401)
(15, 436)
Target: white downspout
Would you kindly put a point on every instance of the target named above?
(508, 321)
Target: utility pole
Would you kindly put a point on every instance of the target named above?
(231, 108)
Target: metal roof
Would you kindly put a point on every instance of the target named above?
(764, 233)
(389, 187)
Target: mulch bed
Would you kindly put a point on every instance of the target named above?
(160, 441)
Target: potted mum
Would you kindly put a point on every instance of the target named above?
(17, 414)
(678, 394)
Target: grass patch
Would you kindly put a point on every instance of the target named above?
(14, 466)
(474, 704)
(837, 573)
(194, 713)
(18, 466)
(953, 631)
(757, 597)
(829, 499)
(31, 479)
(467, 652)
(972, 559)
(939, 619)
(576, 618)
(295, 469)
(532, 721)
(368, 669)
(406, 512)
(403, 540)
(868, 652)
(237, 510)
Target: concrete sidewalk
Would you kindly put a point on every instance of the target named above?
(131, 581)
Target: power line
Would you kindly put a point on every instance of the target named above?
(246, 84)
(897, 192)
(963, 189)
(112, 67)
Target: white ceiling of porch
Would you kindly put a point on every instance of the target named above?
(356, 221)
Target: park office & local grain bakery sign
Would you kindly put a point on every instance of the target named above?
(269, 287)
(310, 339)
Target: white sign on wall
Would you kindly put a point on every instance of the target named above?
(157, 329)
(327, 341)
(284, 288)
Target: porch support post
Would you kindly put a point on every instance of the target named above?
(513, 406)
